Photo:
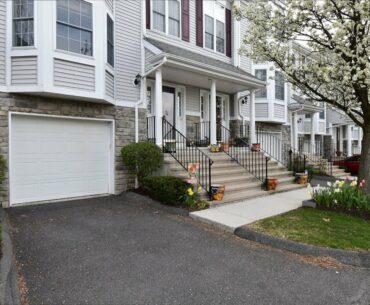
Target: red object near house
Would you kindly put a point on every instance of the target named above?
(352, 164)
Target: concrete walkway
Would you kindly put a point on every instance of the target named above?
(232, 216)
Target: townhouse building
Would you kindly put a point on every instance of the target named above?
(79, 79)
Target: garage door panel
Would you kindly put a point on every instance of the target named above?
(55, 158)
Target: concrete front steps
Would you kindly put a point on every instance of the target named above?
(239, 183)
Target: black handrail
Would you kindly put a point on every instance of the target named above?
(293, 159)
(185, 152)
(255, 162)
(150, 129)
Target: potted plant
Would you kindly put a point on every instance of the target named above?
(271, 184)
(214, 148)
(256, 147)
(225, 147)
(218, 192)
(301, 178)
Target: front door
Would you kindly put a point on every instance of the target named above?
(168, 100)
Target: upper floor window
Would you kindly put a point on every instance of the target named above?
(166, 16)
(23, 29)
(262, 75)
(307, 115)
(279, 86)
(214, 26)
(322, 115)
(110, 41)
(74, 26)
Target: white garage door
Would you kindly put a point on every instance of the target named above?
(56, 158)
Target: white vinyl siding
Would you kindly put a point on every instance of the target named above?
(128, 46)
(245, 61)
(279, 111)
(192, 99)
(109, 4)
(109, 84)
(262, 110)
(2, 40)
(74, 75)
(24, 70)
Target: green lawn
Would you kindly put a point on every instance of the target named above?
(320, 228)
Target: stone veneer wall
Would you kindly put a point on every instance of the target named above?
(191, 121)
(124, 127)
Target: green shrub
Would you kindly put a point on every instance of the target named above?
(165, 189)
(2, 168)
(142, 159)
(343, 196)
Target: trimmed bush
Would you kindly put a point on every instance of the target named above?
(2, 168)
(142, 159)
(165, 189)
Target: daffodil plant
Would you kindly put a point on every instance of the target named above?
(342, 195)
(192, 198)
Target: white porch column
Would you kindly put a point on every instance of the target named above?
(313, 129)
(252, 119)
(349, 140)
(295, 130)
(341, 137)
(212, 114)
(158, 107)
(359, 139)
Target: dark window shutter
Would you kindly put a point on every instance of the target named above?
(228, 33)
(185, 20)
(199, 22)
(147, 12)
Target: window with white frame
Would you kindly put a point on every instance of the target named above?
(75, 26)
(214, 26)
(279, 86)
(322, 115)
(166, 16)
(110, 41)
(262, 75)
(23, 23)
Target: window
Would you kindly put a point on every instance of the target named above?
(110, 41)
(74, 26)
(166, 16)
(279, 86)
(322, 115)
(23, 30)
(307, 116)
(214, 26)
(149, 99)
(209, 32)
(202, 107)
(179, 104)
(220, 37)
(262, 75)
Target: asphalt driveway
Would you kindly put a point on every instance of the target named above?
(120, 250)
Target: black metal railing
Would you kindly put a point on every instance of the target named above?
(202, 134)
(186, 153)
(255, 162)
(150, 129)
(293, 159)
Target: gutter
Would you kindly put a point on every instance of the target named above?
(160, 64)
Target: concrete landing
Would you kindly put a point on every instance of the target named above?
(231, 216)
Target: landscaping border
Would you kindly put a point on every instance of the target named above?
(353, 258)
(9, 290)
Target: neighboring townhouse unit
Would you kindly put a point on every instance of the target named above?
(346, 135)
(67, 96)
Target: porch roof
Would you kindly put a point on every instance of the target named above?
(304, 105)
(191, 68)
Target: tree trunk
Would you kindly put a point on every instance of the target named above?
(365, 158)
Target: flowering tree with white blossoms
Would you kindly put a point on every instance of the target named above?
(337, 35)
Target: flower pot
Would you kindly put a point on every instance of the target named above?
(217, 192)
(225, 147)
(215, 148)
(256, 147)
(271, 184)
(301, 178)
